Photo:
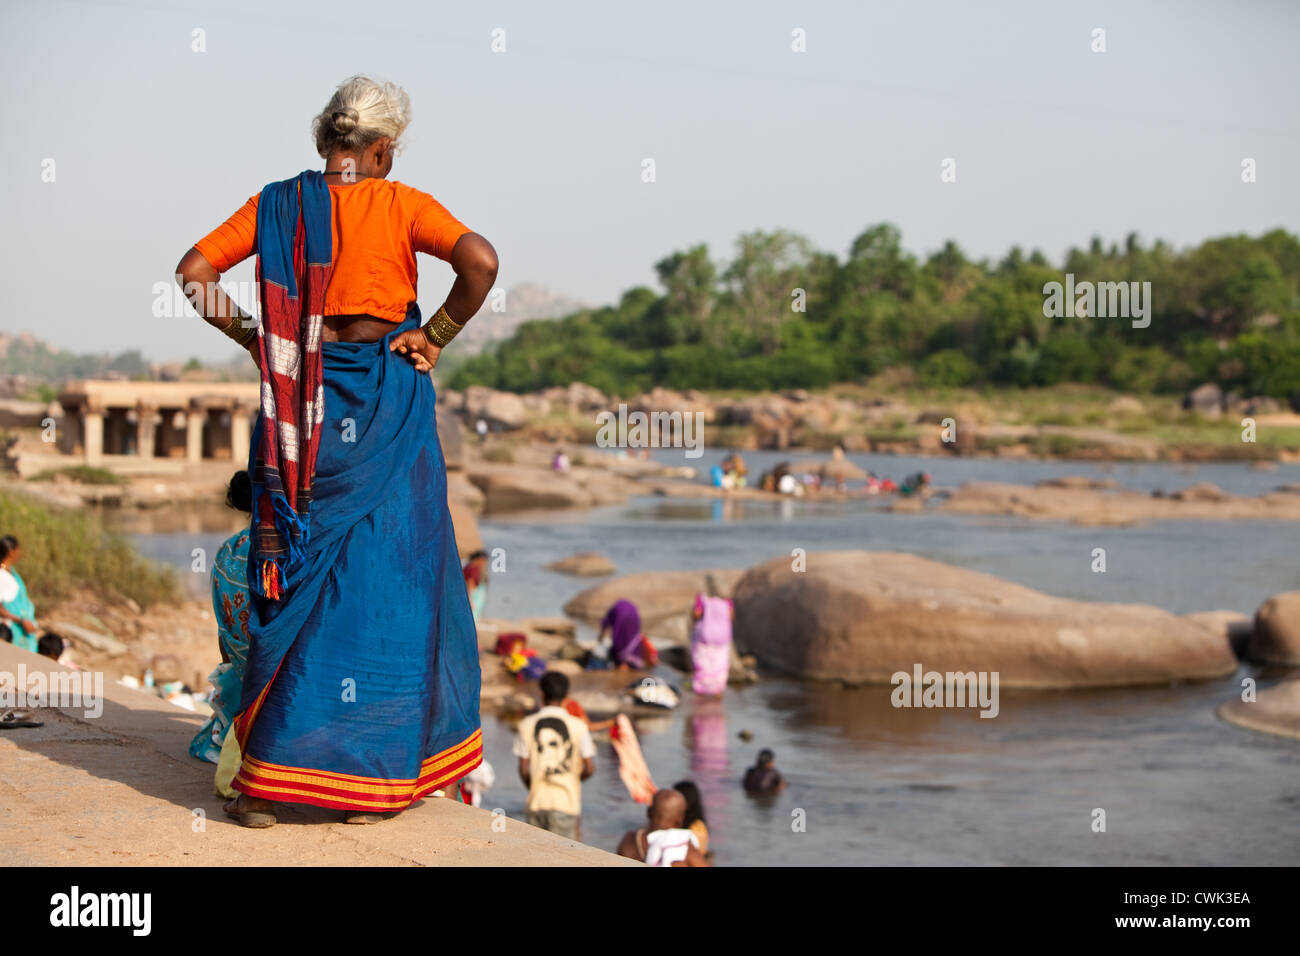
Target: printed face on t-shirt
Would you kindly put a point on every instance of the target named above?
(554, 748)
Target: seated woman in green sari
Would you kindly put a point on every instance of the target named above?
(16, 607)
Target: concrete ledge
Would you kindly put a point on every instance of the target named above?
(121, 789)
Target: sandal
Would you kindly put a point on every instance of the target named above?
(14, 719)
(253, 819)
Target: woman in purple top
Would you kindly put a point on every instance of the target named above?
(629, 648)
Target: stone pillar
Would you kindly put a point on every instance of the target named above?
(92, 434)
(194, 434)
(71, 433)
(144, 430)
(240, 435)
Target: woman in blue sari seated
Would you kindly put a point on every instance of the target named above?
(231, 604)
(16, 608)
(361, 691)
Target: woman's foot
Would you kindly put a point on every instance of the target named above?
(362, 817)
(251, 812)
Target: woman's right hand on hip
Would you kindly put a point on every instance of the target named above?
(415, 345)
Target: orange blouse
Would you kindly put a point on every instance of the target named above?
(378, 226)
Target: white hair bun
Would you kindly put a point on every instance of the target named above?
(361, 111)
(345, 120)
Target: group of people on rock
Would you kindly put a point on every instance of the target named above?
(784, 478)
(731, 473)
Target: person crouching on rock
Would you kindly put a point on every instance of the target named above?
(621, 638)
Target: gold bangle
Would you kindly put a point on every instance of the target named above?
(441, 329)
(238, 332)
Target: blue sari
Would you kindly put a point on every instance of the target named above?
(23, 607)
(362, 683)
(230, 605)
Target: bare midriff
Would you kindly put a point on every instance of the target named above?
(354, 328)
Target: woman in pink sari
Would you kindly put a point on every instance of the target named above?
(711, 642)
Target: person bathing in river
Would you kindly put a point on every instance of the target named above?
(666, 841)
(763, 778)
(352, 559)
(711, 641)
(555, 754)
(693, 819)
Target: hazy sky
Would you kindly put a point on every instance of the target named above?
(540, 148)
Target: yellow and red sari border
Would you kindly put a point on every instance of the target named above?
(342, 791)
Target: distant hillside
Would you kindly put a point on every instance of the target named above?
(523, 303)
(31, 368)
(27, 356)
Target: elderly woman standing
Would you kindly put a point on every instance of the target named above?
(362, 684)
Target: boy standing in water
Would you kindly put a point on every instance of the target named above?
(555, 754)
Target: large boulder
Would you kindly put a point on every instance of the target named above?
(1126, 405)
(860, 617)
(501, 410)
(660, 399)
(604, 487)
(465, 526)
(1201, 491)
(1206, 399)
(510, 488)
(451, 435)
(585, 398)
(577, 397)
(663, 598)
(536, 405)
(835, 469)
(460, 488)
(586, 564)
(771, 418)
(1276, 638)
(1233, 626)
(1260, 405)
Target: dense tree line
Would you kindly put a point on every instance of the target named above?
(1227, 311)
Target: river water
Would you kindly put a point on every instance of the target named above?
(871, 784)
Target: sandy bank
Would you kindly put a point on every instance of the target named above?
(122, 789)
(1113, 506)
